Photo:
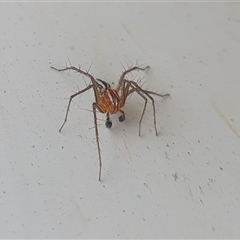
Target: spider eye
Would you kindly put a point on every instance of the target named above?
(108, 123)
(121, 118)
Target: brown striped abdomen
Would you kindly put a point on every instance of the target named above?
(110, 101)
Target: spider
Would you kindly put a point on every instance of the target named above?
(111, 101)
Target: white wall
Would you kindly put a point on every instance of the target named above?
(184, 183)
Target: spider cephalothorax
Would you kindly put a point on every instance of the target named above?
(111, 101)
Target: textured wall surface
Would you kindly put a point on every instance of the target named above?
(183, 183)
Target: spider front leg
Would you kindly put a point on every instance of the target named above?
(158, 94)
(122, 78)
(94, 83)
(132, 69)
(69, 103)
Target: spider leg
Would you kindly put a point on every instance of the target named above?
(95, 85)
(149, 92)
(78, 70)
(132, 69)
(95, 106)
(153, 103)
(144, 108)
(121, 80)
(134, 88)
(158, 94)
(69, 103)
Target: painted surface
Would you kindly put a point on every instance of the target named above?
(184, 183)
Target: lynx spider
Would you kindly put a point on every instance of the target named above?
(111, 101)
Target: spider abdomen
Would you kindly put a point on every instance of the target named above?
(110, 101)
